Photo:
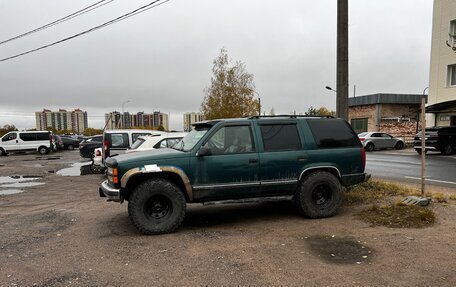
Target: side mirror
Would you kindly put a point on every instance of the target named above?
(204, 151)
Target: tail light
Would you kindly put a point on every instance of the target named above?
(98, 153)
(106, 148)
(363, 157)
(362, 139)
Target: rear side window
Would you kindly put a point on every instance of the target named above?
(119, 140)
(42, 136)
(28, 136)
(280, 137)
(333, 133)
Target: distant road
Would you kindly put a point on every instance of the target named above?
(405, 165)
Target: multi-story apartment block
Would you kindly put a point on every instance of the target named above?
(442, 80)
(62, 120)
(190, 119)
(116, 120)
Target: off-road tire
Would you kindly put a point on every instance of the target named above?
(370, 147)
(156, 206)
(42, 150)
(399, 145)
(319, 195)
(447, 149)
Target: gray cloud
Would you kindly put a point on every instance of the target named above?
(162, 59)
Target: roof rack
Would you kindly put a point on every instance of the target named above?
(290, 116)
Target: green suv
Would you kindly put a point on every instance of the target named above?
(308, 158)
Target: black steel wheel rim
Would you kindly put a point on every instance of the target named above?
(321, 194)
(158, 207)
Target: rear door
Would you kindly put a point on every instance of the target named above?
(118, 143)
(282, 158)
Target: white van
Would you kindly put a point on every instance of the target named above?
(118, 141)
(40, 141)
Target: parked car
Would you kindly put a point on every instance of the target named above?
(58, 143)
(87, 146)
(376, 140)
(309, 159)
(442, 139)
(40, 141)
(118, 141)
(69, 143)
(144, 143)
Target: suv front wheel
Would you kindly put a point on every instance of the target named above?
(156, 206)
(319, 195)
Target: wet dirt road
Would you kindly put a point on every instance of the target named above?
(61, 233)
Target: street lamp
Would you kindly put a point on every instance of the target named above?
(331, 89)
(259, 102)
(122, 116)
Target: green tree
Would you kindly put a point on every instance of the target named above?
(92, 132)
(321, 111)
(231, 93)
(6, 129)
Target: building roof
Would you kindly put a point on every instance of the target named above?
(385, 99)
(443, 106)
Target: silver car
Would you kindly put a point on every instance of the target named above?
(376, 140)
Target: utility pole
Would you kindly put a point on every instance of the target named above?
(342, 60)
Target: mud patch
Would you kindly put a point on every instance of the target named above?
(78, 279)
(339, 250)
(22, 231)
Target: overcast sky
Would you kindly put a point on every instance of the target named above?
(162, 59)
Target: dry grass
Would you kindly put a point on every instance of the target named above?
(377, 191)
(397, 215)
(374, 191)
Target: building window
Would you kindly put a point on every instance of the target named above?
(359, 125)
(452, 34)
(452, 75)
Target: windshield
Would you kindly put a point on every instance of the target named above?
(137, 143)
(191, 139)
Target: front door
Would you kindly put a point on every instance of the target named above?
(10, 142)
(230, 170)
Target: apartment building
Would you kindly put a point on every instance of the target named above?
(117, 120)
(442, 79)
(190, 119)
(62, 119)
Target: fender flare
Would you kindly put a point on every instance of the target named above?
(153, 168)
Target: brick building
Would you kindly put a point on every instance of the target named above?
(395, 114)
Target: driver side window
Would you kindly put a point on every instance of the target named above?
(231, 140)
(9, 137)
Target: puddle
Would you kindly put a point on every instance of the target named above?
(15, 184)
(340, 250)
(75, 169)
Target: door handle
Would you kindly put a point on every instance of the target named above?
(302, 158)
(17, 141)
(253, 160)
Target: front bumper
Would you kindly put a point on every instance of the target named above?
(112, 193)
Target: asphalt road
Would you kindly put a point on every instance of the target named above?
(405, 165)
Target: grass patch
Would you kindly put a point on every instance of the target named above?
(397, 215)
(375, 190)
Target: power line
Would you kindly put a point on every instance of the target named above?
(115, 20)
(61, 20)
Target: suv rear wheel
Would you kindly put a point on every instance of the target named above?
(319, 195)
(156, 206)
(447, 149)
